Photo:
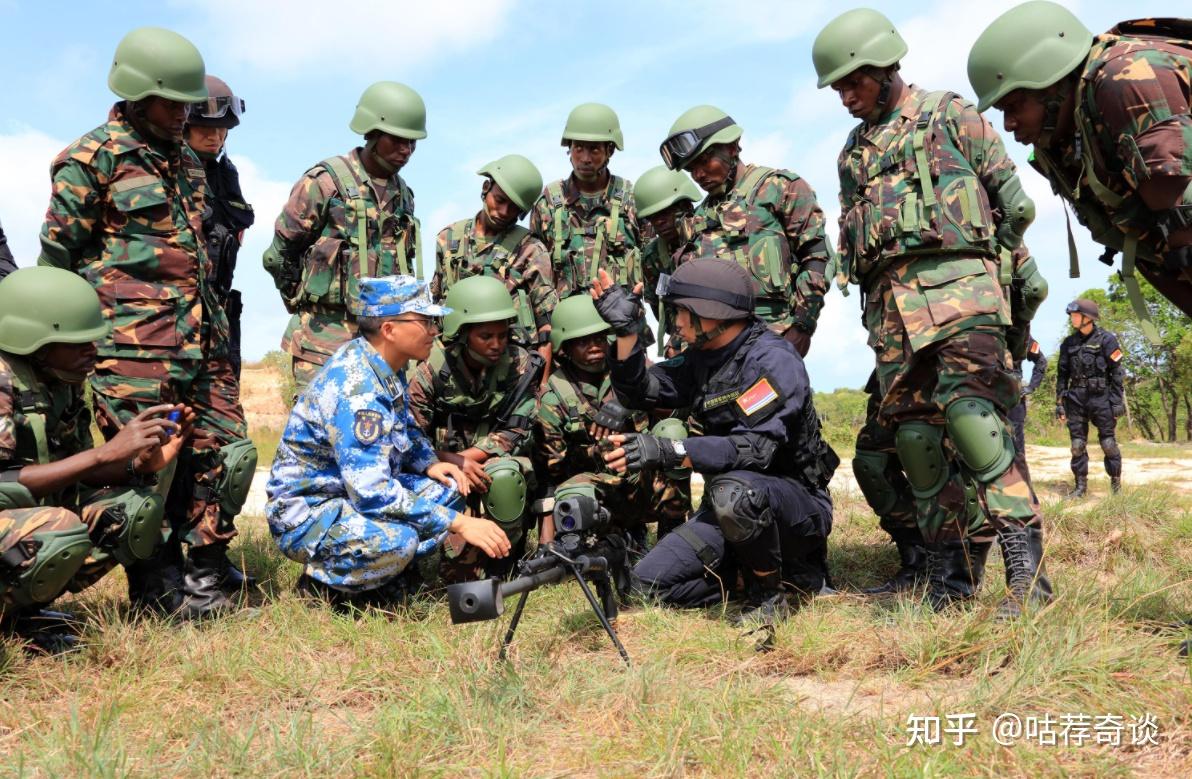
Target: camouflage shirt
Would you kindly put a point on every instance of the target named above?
(930, 270)
(457, 407)
(315, 258)
(515, 257)
(1133, 122)
(585, 234)
(770, 223)
(126, 213)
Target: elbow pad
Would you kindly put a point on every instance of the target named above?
(1018, 211)
(754, 452)
(1030, 290)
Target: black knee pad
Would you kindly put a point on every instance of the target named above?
(1109, 446)
(737, 507)
(1079, 446)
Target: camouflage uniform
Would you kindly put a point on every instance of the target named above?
(7, 263)
(515, 257)
(126, 213)
(492, 411)
(1132, 123)
(315, 258)
(659, 258)
(566, 412)
(926, 258)
(770, 223)
(587, 233)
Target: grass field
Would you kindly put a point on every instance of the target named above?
(286, 689)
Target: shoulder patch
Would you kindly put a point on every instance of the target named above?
(1116, 356)
(1034, 347)
(757, 397)
(367, 426)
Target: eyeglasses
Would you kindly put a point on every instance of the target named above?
(218, 107)
(680, 148)
(428, 323)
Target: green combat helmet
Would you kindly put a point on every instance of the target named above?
(660, 187)
(474, 300)
(517, 177)
(853, 40)
(573, 318)
(44, 305)
(392, 108)
(694, 131)
(593, 122)
(674, 429)
(154, 61)
(1031, 46)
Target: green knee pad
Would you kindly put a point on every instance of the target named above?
(870, 470)
(239, 466)
(134, 532)
(980, 438)
(59, 556)
(921, 450)
(13, 495)
(505, 500)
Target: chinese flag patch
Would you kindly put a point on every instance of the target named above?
(757, 397)
(1116, 356)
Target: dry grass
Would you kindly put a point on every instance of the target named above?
(284, 689)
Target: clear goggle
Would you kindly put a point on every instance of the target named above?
(218, 107)
(678, 149)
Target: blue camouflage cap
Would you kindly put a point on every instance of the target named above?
(393, 295)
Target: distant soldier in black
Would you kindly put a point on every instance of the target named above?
(227, 215)
(1017, 415)
(7, 263)
(1089, 388)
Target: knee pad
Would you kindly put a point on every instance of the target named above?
(239, 466)
(1109, 446)
(870, 470)
(132, 524)
(14, 495)
(921, 450)
(736, 508)
(59, 555)
(505, 500)
(980, 437)
(1079, 446)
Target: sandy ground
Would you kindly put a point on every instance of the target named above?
(260, 392)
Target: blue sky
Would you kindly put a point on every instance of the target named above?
(499, 77)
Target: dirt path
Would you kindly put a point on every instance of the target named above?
(260, 392)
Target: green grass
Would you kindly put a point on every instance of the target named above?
(282, 688)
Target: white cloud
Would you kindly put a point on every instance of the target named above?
(25, 157)
(290, 35)
(757, 20)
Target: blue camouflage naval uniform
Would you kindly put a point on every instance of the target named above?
(348, 495)
(752, 400)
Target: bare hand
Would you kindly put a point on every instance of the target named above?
(615, 459)
(478, 478)
(598, 432)
(158, 457)
(146, 430)
(450, 475)
(486, 536)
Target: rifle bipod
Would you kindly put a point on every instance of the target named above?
(484, 600)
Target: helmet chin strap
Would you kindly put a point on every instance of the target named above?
(885, 83)
(385, 165)
(482, 360)
(141, 119)
(701, 336)
(732, 163)
(1052, 102)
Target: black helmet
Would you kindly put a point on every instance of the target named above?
(222, 108)
(1084, 306)
(711, 288)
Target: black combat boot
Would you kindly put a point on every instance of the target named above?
(766, 603)
(912, 571)
(1022, 551)
(44, 632)
(954, 570)
(1115, 484)
(215, 558)
(201, 594)
(1081, 489)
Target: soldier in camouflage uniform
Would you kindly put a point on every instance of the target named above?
(665, 204)
(578, 410)
(493, 244)
(766, 219)
(69, 511)
(356, 493)
(931, 213)
(1108, 117)
(475, 400)
(127, 214)
(348, 217)
(587, 221)
(7, 263)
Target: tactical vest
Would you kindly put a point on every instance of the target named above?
(920, 196)
(594, 233)
(460, 262)
(226, 215)
(1088, 364)
(460, 419)
(806, 457)
(332, 268)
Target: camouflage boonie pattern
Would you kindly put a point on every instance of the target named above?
(771, 224)
(1133, 123)
(348, 495)
(314, 258)
(515, 257)
(456, 409)
(19, 525)
(575, 227)
(393, 296)
(129, 214)
(566, 412)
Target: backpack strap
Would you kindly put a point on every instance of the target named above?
(554, 194)
(923, 125)
(32, 404)
(349, 187)
(616, 200)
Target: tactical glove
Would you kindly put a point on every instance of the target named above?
(612, 416)
(644, 451)
(621, 309)
(1119, 411)
(1059, 410)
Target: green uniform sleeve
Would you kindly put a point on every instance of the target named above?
(75, 209)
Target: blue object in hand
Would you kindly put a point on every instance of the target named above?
(175, 416)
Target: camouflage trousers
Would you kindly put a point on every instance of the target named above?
(344, 549)
(876, 438)
(125, 387)
(311, 338)
(17, 527)
(919, 387)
